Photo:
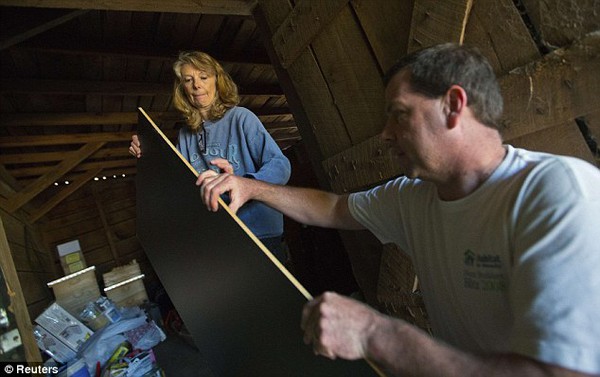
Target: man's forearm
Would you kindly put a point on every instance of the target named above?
(401, 349)
(306, 205)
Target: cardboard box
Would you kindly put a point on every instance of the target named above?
(52, 346)
(71, 257)
(64, 326)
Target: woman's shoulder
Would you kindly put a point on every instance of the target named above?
(241, 111)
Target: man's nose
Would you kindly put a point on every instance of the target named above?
(386, 133)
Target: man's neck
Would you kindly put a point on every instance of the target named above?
(472, 169)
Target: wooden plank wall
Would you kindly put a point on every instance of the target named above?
(544, 52)
(101, 215)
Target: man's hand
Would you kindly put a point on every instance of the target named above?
(338, 326)
(213, 185)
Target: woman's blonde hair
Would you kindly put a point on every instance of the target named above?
(226, 96)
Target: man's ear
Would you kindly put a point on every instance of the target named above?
(456, 103)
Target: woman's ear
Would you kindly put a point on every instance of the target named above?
(456, 103)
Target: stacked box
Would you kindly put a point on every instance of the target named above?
(71, 257)
(124, 285)
(73, 292)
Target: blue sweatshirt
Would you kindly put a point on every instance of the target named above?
(241, 138)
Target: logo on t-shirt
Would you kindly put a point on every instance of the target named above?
(483, 272)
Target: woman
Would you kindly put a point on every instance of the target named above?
(225, 137)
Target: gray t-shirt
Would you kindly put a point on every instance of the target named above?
(514, 266)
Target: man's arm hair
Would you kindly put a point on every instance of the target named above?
(307, 206)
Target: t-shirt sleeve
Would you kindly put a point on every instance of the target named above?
(377, 210)
(555, 285)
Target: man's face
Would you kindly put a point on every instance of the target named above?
(200, 86)
(413, 129)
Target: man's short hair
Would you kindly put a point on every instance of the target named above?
(434, 70)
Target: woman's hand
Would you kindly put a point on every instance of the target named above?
(223, 165)
(135, 148)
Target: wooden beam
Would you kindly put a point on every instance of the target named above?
(106, 227)
(17, 301)
(81, 119)
(560, 24)
(324, 123)
(135, 51)
(266, 23)
(8, 178)
(32, 171)
(33, 30)
(28, 158)
(302, 25)
(25, 195)
(220, 7)
(554, 90)
(63, 139)
(436, 22)
(40, 86)
(63, 194)
(549, 92)
(361, 166)
(507, 44)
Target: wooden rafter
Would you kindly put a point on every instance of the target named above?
(33, 30)
(228, 7)
(79, 119)
(26, 194)
(82, 87)
(63, 194)
(566, 79)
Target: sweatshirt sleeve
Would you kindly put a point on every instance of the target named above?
(272, 166)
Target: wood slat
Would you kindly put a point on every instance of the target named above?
(436, 22)
(109, 118)
(560, 87)
(311, 87)
(107, 88)
(564, 139)
(302, 25)
(384, 22)
(560, 22)
(25, 141)
(553, 90)
(507, 44)
(225, 7)
(352, 76)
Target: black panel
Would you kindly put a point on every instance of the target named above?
(242, 311)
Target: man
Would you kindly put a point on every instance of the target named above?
(502, 238)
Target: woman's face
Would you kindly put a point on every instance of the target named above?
(200, 86)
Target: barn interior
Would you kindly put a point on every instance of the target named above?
(74, 72)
